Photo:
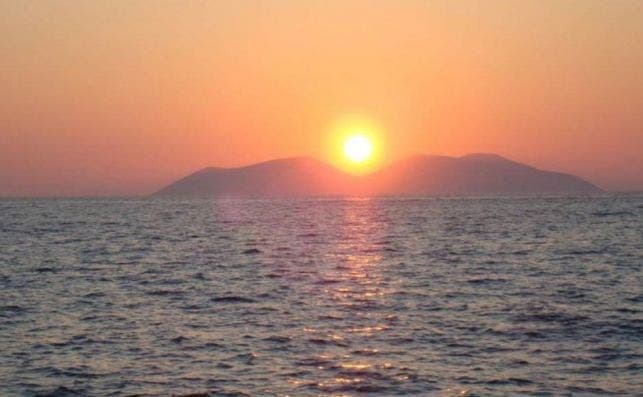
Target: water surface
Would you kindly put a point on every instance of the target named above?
(314, 297)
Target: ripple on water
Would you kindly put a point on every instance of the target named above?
(232, 299)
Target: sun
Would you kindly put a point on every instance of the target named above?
(355, 144)
(358, 148)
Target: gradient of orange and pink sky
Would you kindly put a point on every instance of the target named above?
(122, 97)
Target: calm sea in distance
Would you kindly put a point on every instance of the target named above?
(314, 297)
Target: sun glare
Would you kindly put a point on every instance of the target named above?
(355, 144)
(358, 148)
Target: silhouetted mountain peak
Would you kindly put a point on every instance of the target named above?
(484, 157)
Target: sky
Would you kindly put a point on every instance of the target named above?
(122, 97)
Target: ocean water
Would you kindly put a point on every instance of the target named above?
(309, 297)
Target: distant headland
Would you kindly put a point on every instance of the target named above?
(422, 175)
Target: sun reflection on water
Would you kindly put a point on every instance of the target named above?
(355, 297)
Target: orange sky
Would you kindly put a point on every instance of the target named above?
(121, 97)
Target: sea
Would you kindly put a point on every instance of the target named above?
(322, 297)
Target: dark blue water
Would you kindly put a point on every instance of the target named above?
(322, 297)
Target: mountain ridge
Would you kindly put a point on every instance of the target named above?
(475, 174)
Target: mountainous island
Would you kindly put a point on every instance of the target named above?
(421, 175)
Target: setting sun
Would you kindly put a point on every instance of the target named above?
(358, 148)
(356, 143)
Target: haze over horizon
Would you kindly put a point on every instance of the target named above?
(121, 98)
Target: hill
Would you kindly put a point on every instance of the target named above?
(292, 177)
(473, 175)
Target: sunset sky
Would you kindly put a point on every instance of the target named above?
(122, 97)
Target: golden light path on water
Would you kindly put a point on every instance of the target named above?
(361, 287)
